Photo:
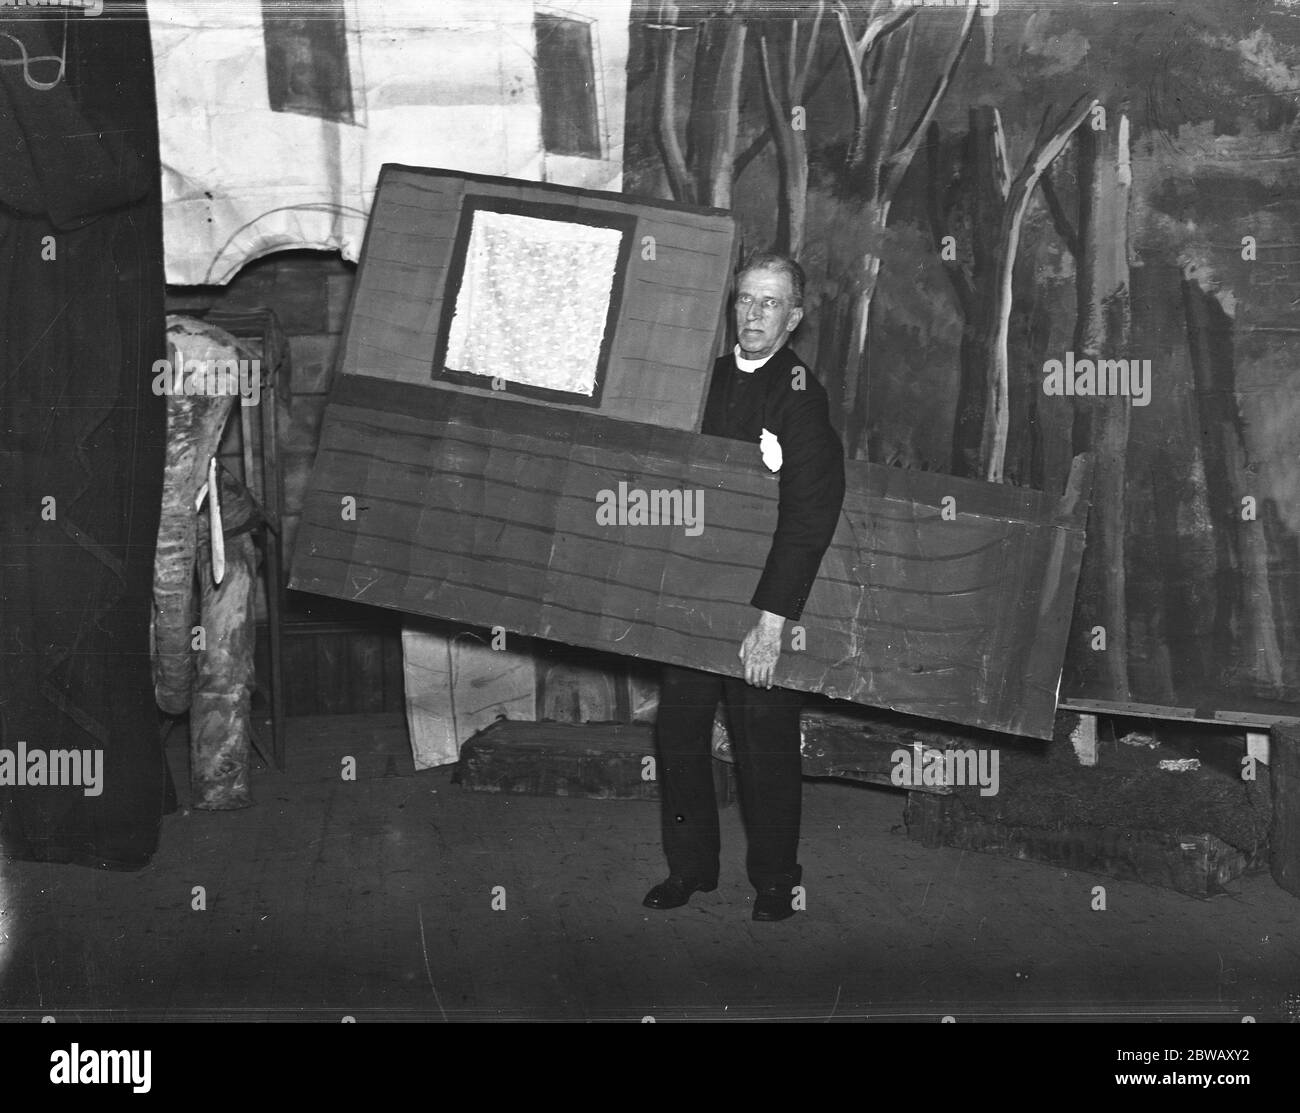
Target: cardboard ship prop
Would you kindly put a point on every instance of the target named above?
(511, 441)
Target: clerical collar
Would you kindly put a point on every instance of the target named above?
(749, 366)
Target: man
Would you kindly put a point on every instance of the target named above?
(763, 390)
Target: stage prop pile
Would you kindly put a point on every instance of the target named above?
(205, 570)
(460, 477)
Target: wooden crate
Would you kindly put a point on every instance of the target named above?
(865, 745)
(604, 761)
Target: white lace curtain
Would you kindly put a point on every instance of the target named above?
(533, 301)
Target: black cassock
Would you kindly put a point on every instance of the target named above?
(784, 398)
(81, 432)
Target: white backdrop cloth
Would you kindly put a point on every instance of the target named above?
(449, 84)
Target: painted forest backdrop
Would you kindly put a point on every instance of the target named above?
(976, 192)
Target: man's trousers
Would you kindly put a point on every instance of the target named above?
(764, 728)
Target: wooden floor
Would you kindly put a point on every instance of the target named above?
(373, 898)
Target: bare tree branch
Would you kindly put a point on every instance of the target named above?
(1001, 160)
(1046, 149)
(856, 48)
(717, 120)
(679, 178)
(852, 61)
(800, 90)
(765, 136)
(769, 87)
(799, 74)
(901, 159)
(1047, 146)
(792, 65)
(877, 25)
(791, 145)
(887, 67)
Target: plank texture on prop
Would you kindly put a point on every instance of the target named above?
(473, 508)
(668, 296)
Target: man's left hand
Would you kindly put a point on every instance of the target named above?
(761, 648)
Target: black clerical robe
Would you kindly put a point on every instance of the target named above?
(784, 397)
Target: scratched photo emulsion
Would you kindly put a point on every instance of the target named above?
(651, 511)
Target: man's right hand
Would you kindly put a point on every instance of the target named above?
(761, 649)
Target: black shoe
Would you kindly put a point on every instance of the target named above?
(772, 906)
(676, 891)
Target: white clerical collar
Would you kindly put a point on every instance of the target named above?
(749, 366)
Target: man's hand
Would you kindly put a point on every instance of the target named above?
(761, 648)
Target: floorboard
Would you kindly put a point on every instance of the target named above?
(373, 898)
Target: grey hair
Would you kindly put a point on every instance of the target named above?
(781, 264)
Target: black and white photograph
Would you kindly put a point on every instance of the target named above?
(634, 511)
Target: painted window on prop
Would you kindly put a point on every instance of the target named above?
(533, 302)
(307, 58)
(566, 84)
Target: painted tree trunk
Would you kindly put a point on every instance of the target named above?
(790, 140)
(997, 400)
(829, 330)
(715, 108)
(1031, 331)
(679, 182)
(1176, 523)
(857, 378)
(1101, 424)
(995, 329)
(878, 165)
(792, 220)
(1284, 552)
(876, 119)
(867, 156)
(1244, 622)
(785, 88)
(985, 169)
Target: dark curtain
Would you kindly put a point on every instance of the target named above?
(81, 323)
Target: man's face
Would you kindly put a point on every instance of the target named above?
(765, 312)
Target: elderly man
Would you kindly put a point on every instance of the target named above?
(759, 392)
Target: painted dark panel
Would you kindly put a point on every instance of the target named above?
(470, 509)
(673, 280)
(566, 87)
(307, 58)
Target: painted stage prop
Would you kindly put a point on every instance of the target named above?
(598, 517)
(203, 641)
